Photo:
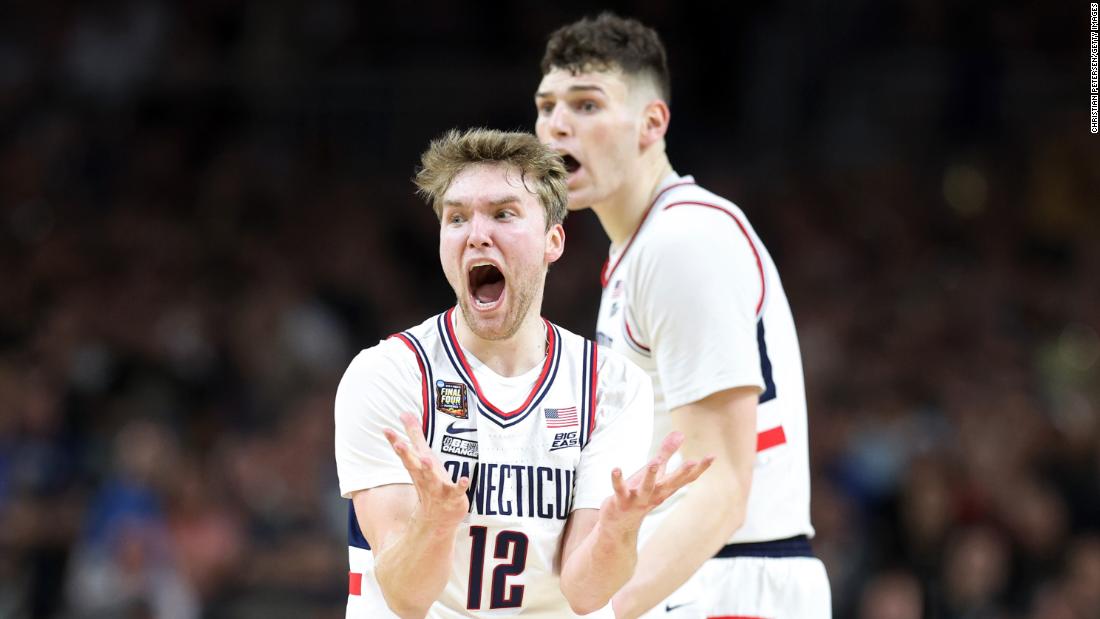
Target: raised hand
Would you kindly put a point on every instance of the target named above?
(442, 501)
(649, 487)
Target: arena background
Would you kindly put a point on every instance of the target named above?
(205, 211)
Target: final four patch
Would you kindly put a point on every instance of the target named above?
(450, 399)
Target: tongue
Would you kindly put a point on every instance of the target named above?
(487, 293)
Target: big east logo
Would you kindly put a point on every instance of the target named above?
(563, 440)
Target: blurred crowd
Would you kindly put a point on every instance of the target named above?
(205, 213)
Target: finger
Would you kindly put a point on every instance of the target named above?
(704, 465)
(637, 480)
(677, 479)
(433, 469)
(650, 480)
(463, 483)
(414, 431)
(454, 489)
(684, 476)
(617, 483)
(404, 452)
(417, 441)
(669, 445)
(687, 473)
(707, 461)
(428, 478)
(639, 477)
(394, 438)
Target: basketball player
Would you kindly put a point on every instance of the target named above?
(692, 296)
(504, 493)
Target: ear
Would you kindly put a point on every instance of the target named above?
(555, 243)
(655, 119)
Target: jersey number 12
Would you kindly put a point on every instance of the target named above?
(507, 543)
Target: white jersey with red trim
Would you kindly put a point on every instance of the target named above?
(535, 447)
(695, 300)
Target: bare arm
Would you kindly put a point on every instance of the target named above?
(410, 527)
(723, 424)
(599, 549)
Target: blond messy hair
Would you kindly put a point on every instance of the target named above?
(456, 150)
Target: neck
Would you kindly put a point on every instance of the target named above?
(621, 214)
(510, 356)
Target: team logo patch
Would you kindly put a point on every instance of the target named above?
(459, 447)
(560, 417)
(450, 398)
(563, 440)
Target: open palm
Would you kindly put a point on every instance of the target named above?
(650, 486)
(442, 500)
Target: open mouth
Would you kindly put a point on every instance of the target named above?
(486, 284)
(571, 163)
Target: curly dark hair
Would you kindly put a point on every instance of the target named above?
(607, 42)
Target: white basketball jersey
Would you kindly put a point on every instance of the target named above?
(529, 466)
(695, 300)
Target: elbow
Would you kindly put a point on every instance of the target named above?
(732, 519)
(736, 509)
(585, 607)
(723, 518)
(728, 514)
(582, 609)
(406, 611)
(405, 599)
(583, 603)
(402, 607)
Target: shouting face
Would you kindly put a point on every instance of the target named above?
(495, 247)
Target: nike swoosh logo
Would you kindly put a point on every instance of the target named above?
(451, 429)
(669, 607)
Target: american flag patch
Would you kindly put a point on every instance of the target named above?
(560, 417)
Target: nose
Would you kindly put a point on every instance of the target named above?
(558, 122)
(480, 231)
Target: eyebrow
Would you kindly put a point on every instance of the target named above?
(577, 88)
(505, 199)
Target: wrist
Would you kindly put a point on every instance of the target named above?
(429, 524)
(623, 528)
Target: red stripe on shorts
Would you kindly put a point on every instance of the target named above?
(766, 440)
(355, 583)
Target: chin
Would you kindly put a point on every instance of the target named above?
(579, 200)
(584, 197)
(491, 334)
(488, 327)
(492, 331)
